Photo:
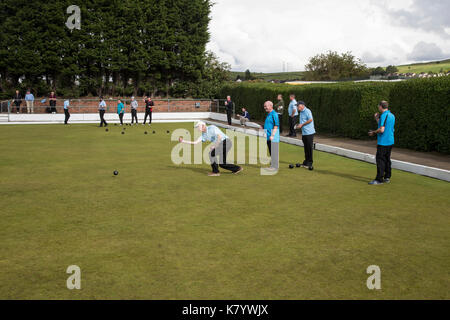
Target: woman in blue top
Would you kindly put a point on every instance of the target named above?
(221, 146)
(120, 110)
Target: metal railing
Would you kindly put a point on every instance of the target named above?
(91, 105)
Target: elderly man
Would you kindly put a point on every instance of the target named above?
(271, 126)
(293, 113)
(134, 106)
(385, 136)
(308, 132)
(221, 146)
(229, 106)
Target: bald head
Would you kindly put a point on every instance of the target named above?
(268, 106)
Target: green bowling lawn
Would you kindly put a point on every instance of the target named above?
(161, 231)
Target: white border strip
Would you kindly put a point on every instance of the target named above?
(431, 172)
(163, 117)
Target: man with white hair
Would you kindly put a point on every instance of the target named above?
(221, 146)
(134, 106)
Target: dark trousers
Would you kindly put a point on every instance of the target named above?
(67, 116)
(53, 106)
(17, 106)
(102, 118)
(308, 145)
(134, 116)
(221, 152)
(384, 164)
(148, 113)
(274, 153)
(229, 113)
(121, 118)
(292, 123)
(280, 120)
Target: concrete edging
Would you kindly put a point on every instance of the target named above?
(431, 172)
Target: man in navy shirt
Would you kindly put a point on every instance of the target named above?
(385, 137)
(244, 118)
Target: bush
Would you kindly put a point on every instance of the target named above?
(421, 107)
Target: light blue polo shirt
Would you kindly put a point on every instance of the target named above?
(387, 120)
(29, 97)
(212, 133)
(102, 105)
(66, 104)
(305, 116)
(272, 120)
(292, 107)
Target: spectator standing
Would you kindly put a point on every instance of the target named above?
(29, 100)
(293, 114)
(17, 101)
(101, 111)
(280, 110)
(229, 106)
(52, 99)
(134, 106)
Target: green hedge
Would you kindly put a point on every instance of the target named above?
(347, 109)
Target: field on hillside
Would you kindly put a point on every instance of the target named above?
(426, 67)
(165, 231)
(281, 76)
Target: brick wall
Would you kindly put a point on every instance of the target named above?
(91, 105)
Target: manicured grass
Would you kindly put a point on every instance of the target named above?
(162, 231)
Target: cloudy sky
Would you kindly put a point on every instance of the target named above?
(261, 35)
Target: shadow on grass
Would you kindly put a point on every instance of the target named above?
(342, 175)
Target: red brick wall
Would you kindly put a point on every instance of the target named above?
(91, 105)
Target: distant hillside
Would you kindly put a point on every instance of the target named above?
(278, 76)
(435, 67)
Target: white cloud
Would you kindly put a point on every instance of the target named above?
(260, 34)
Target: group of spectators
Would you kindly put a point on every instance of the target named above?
(29, 101)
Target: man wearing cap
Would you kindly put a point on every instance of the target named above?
(221, 146)
(293, 114)
(385, 136)
(134, 106)
(308, 131)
